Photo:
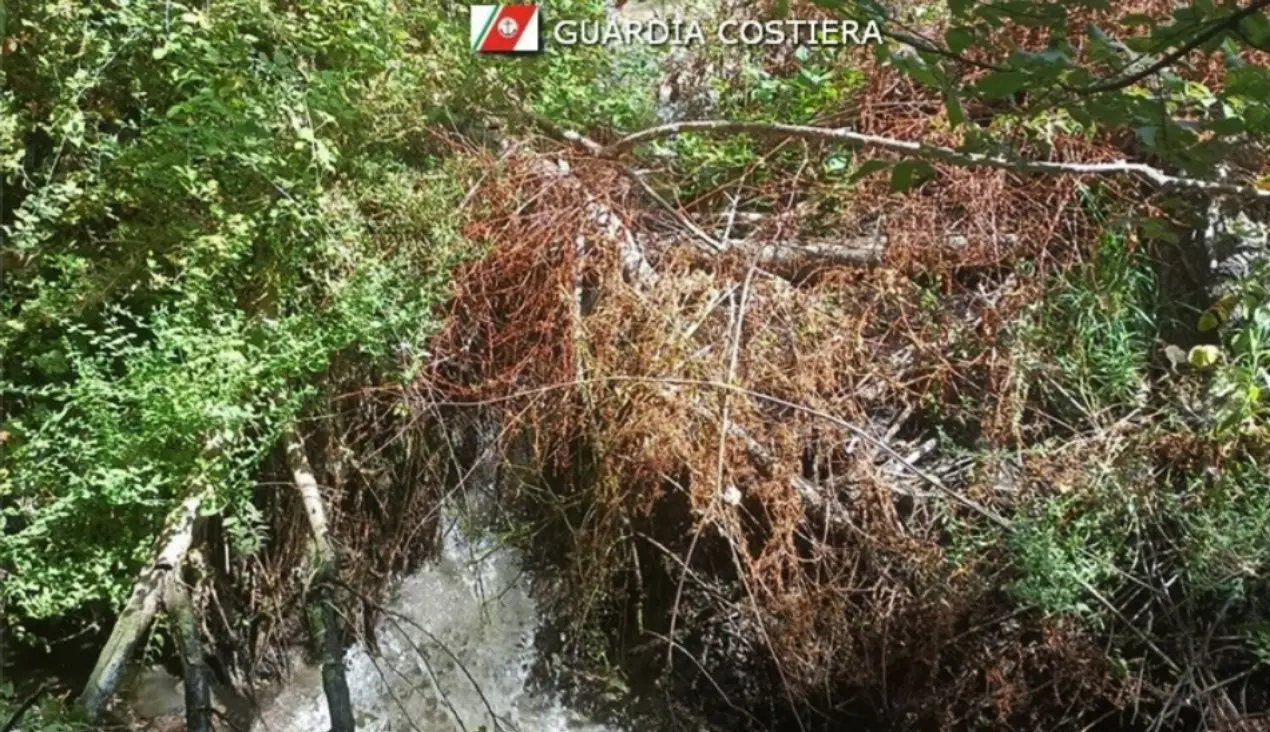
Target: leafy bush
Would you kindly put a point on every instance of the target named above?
(1241, 376)
(208, 207)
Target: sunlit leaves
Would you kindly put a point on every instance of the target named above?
(1203, 357)
(204, 216)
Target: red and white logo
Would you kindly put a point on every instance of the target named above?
(506, 28)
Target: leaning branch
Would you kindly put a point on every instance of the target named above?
(1152, 175)
(137, 617)
(196, 675)
(324, 631)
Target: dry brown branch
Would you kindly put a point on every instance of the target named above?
(831, 568)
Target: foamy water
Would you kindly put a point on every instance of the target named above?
(457, 647)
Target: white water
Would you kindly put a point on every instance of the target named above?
(473, 601)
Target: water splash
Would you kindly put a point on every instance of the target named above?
(456, 648)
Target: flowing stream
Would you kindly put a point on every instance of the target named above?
(456, 647)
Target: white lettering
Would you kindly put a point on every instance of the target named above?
(798, 26)
(657, 33)
(722, 33)
(872, 33)
(774, 32)
(695, 34)
(676, 32)
(566, 32)
(632, 31)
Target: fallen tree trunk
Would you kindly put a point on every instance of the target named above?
(319, 607)
(197, 676)
(138, 615)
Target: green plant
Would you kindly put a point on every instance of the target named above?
(1071, 544)
(1093, 336)
(1223, 531)
(1241, 376)
(208, 210)
(36, 712)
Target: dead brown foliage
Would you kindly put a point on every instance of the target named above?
(716, 446)
(837, 550)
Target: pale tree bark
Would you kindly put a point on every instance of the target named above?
(319, 600)
(1152, 175)
(909, 148)
(138, 615)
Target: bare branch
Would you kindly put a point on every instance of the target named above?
(1152, 175)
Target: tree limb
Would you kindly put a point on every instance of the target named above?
(138, 615)
(25, 706)
(1230, 22)
(196, 675)
(323, 625)
(1152, 175)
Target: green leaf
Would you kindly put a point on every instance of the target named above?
(1158, 229)
(1141, 44)
(960, 7)
(1227, 126)
(1218, 313)
(915, 68)
(1203, 357)
(956, 115)
(959, 39)
(1256, 28)
(869, 167)
(907, 172)
(1146, 134)
(1137, 19)
(1001, 84)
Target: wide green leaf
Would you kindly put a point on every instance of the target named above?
(1001, 84)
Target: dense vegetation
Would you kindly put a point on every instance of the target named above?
(220, 220)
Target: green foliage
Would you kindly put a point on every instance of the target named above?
(1107, 85)
(1242, 379)
(1070, 545)
(588, 87)
(207, 208)
(1227, 548)
(1094, 334)
(819, 83)
(46, 715)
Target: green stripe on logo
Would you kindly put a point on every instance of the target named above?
(489, 22)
